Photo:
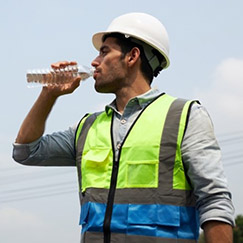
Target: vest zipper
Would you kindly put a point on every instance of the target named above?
(110, 202)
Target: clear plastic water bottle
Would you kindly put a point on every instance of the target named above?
(46, 77)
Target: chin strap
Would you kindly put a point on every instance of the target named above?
(155, 60)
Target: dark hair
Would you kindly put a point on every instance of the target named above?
(126, 45)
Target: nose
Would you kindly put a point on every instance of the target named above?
(95, 63)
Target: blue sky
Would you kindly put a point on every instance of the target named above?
(206, 63)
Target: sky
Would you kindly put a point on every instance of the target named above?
(206, 53)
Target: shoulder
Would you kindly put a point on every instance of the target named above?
(199, 115)
(199, 130)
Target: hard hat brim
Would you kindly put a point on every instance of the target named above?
(97, 41)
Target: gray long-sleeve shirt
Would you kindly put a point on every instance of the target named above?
(200, 153)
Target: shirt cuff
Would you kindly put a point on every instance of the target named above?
(22, 151)
(222, 210)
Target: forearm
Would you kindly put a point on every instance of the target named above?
(33, 125)
(217, 232)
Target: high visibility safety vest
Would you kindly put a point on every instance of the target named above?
(144, 195)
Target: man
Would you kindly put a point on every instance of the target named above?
(149, 165)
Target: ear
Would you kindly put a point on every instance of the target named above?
(133, 56)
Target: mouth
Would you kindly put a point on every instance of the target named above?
(96, 72)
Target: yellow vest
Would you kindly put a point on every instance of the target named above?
(149, 170)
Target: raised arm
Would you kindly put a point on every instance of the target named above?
(33, 125)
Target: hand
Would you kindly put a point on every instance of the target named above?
(67, 88)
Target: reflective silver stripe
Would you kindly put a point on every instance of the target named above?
(97, 237)
(167, 156)
(81, 141)
(136, 196)
(168, 144)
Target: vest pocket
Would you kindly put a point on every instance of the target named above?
(96, 168)
(142, 174)
(160, 215)
(154, 220)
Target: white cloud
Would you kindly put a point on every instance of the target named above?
(224, 97)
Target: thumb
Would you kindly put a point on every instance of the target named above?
(76, 83)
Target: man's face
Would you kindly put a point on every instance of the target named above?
(110, 69)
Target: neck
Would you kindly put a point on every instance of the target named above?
(127, 93)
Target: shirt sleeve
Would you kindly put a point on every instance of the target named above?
(202, 158)
(56, 149)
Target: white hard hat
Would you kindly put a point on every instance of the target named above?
(143, 27)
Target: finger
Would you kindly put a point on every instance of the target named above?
(72, 63)
(77, 80)
(60, 64)
(75, 84)
(66, 63)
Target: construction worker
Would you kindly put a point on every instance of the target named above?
(149, 165)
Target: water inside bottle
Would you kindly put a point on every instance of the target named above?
(46, 77)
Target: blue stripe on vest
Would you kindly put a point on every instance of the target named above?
(167, 221)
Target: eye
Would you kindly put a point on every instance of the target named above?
(103, 51)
